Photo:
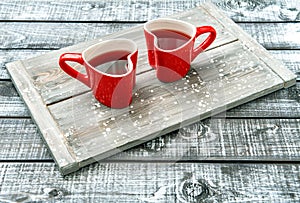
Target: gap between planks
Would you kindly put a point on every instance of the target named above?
(157, 161)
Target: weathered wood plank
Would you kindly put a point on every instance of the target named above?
(261, 10)
(53, 35)
(290, 58)
(21, 140)
(151, 182)
(211, 139)
(114, 10)
(7, 56)
(287, 35)
(59, 35)
(283, 103)
(268, 106)
(11, 105)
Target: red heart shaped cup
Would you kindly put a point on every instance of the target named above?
(110, 70)
(170, 46)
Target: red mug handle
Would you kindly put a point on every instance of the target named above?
(74, 57)
(208, 41)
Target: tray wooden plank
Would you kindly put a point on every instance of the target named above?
(79, 130)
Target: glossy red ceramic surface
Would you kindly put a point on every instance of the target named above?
(112, 90)
(173, 64)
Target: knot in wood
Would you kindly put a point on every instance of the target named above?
(53, 192)
(195, 190)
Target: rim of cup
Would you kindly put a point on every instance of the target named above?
(120, 44)
(172, 24)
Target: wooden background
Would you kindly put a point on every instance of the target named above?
(255, 148)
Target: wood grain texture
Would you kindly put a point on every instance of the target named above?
(290, 58)
(287, 102)
(7, 56)
(21, 140)
(212, 139)
(151, 182)
(11, 105)
(113, 10)
(253, 45)
(260, 10)
(53, 35)
(282, 103)
(58, 35)
(286, 37)
(41, 115)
